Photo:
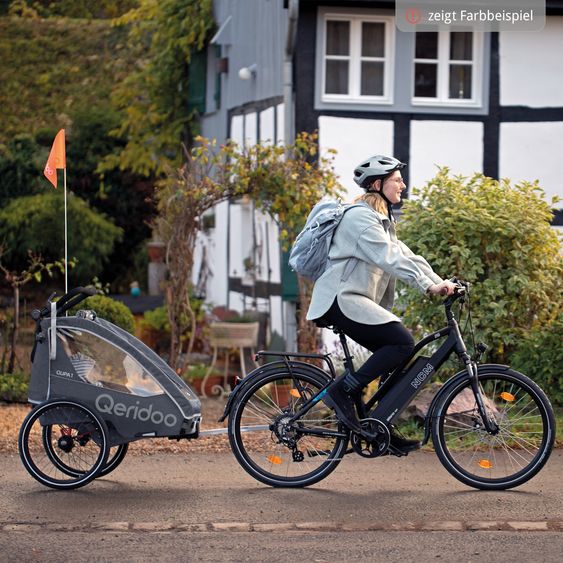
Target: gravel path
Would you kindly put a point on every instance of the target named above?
(12, 415)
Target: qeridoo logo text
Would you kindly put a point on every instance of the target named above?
(422, 376)
(106, 404)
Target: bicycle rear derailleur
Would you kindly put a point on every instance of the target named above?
(371, 448)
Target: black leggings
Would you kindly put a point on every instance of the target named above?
(391, 343)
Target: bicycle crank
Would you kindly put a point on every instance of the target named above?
(371, 448)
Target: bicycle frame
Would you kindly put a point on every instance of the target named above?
(394, 396)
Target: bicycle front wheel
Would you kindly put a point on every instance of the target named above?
(272, 450)
(504, 460)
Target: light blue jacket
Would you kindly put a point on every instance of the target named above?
(366, 258)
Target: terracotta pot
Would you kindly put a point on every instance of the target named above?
(157, 251)
(213, 385)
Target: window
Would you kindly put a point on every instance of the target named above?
(446, 67)
(97, 363)
(357, 58)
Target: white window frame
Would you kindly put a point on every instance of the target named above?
(355, 59)
(443, 63)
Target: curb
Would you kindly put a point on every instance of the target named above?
(233, 527)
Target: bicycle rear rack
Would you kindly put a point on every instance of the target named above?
(288, 355)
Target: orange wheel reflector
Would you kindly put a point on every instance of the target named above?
(507, 396)
(295, 393)
(485, 464)
(276, 460)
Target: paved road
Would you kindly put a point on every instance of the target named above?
(203, 507)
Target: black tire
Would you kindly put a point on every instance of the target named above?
(261, 453)
(494, 462)
(115, 455)
(74, 455)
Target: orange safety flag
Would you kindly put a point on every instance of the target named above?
(57, 158)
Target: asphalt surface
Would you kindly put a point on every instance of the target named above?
(204, 507)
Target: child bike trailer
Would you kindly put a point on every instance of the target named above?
(96, 388)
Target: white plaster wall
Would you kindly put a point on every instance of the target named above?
(250, 129)
(530, 151)
(456, 144)
(280, 116)
(216, 243)
(267, 130)
(240, 240)
(531, 66)
(276, 319)
(237, 124)
(354, 141)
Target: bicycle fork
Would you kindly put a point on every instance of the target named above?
(490, 425)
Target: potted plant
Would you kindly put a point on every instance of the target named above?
(195, 375)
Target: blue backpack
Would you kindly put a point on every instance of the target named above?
(309, 253)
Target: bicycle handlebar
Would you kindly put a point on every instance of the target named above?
(462, 289)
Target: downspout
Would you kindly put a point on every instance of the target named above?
(289, 112)
(289, 129)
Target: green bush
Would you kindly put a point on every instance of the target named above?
(36, 223)
(14, 387)
(157, 319)
(110, 310)
(496, 236)
(539, 354)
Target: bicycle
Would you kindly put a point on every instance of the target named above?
(492, 427)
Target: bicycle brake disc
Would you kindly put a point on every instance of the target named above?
(371, 448)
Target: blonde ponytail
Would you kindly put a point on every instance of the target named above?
(375, 201)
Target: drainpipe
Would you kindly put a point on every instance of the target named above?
(289, 133)
(288, 310)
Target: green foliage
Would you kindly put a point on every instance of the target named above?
(109, 309)
(287, 181)
(154, 99)
(495, 235)
(539, 355)
(157, 319)
(21, 167)
(87, 9)
(50, 67)
(60, 73)
(36, 223)
(195, 371)
(14, 387)
(124, 197)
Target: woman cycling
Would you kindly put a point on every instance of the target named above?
(356, 292)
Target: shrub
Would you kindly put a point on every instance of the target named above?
(36, 223)
(110, 310)
(495, 235)
(539, 354)
(14, 387)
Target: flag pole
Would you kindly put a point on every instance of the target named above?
(66, 236)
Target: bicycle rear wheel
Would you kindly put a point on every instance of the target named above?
(505, 460)
(275, 452)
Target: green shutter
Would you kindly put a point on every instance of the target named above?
(290, 287)
(196, 81)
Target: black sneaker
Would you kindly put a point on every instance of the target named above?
(343, 401)
(403, 444)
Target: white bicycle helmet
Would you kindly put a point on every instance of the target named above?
(375, 167)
